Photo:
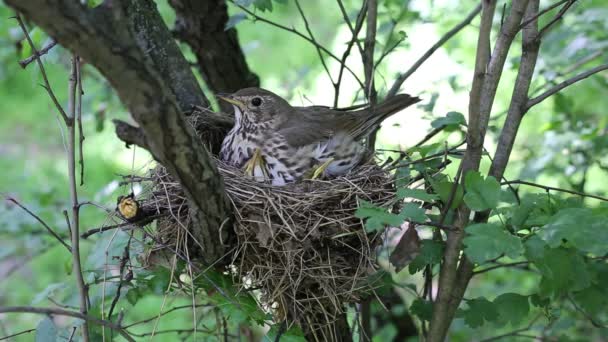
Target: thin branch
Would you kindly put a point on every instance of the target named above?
(300, 34)
(76, 267)
(312, 37)
(557, 17)
(102, 229)
(589, 317)
(16, 334)
(566, 83)
(550, 188)
(399, 81)
(189, 306)
(513, 264)
(354, 40)
(123, 276)
(369, 46)
(531, 19)
(69, 313)
(514, 332)
(41, 221)
(25, 62)
(79, 94)
(47, 85)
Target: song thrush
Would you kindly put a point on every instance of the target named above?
(275, 141)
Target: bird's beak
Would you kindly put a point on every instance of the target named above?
(232, 101)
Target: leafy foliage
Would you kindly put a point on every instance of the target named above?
(481, 194)
(487, 241)
(431, 253)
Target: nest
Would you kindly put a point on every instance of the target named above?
(300, 244)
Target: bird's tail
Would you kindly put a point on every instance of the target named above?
(371, 117)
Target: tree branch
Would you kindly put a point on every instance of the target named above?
(529, 45)
(42, 222)
(156, 84)
(25, 62)
(519, 98)
(131, 135)
(550, 188)
(69, 313)
(451, 33)
(201, 24)
(540, 98)
(47, 85)
(440, 321)
(83, 292)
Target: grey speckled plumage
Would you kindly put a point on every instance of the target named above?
(292, 140)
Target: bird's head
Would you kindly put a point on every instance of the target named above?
(257, 105)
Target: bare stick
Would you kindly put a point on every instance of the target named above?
(17, 334)
(540, 98)
(550, 188)
(399, 81)
(79, 94)
(69, 313)
(25, 62)
(312, 37)
(41, 221)
(47, 85)
(77, 269)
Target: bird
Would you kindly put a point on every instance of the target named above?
(277, 142)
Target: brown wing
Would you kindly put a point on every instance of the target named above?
(307, 125)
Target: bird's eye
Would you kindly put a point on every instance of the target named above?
(256, 101)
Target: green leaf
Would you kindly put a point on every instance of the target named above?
(422, 308)
(413, 212)
(424, 150)
(452, 120)
(133, 295)
(486, 241)
(594, 299)
(562, 269)
(444, 189)
(46, 331)
(376, 218)
(512, 308)
(418, 194)
(263, 5)
(582, 227)
(481, 194)
(431, 253)
(479, 310)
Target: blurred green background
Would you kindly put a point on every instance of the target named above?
(563, 142)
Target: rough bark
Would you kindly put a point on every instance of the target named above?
(132, 47)
(201, 24)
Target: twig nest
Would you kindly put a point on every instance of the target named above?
(300, 244)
